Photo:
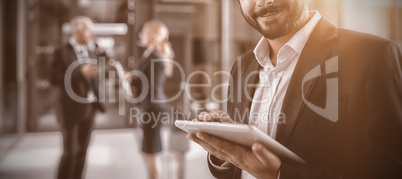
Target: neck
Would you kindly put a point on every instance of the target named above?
(278, 43)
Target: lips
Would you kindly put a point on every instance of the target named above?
(269, 15)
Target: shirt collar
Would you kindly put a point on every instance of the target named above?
(261, 52)
(297, 42)
(76, 45)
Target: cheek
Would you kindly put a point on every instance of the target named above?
(247, 6)
(297, 6)
(143, 40)
(88, 35)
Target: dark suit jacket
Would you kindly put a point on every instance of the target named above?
(365, 140)
(71, 109)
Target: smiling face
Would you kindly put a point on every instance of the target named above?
(273, 18)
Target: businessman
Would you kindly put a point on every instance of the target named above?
(75, 117)
(331, 95)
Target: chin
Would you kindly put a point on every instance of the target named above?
(276, 30)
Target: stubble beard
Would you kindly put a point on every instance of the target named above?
(275, 29)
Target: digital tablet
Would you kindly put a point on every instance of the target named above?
(242, 134)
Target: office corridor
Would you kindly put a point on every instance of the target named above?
(112, 154)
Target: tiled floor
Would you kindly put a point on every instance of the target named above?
(109, 120)
(6, 141)
(112, 154)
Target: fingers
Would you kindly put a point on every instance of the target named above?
(209, 148)
(217, 152)
(266, 157)
(232, 152)
(259, 160)
(223, 116)
(214, 116)
(204, 116)
(215, 142)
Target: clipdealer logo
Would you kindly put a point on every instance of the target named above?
(330, 111)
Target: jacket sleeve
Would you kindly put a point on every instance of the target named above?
(56, 74)
(219, 171)
(384, 106)
(291, 169)
(158, 75)
(227, 171)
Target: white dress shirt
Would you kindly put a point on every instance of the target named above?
(80, 50)
(265, 112)
(82, 53)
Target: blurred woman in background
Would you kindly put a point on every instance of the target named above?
(154, 65)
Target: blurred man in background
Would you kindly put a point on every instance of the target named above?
(76, 117)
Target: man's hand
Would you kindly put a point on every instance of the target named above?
(259, 161)
(89, 70)
(214, 116)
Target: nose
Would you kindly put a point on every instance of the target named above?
(265, 2)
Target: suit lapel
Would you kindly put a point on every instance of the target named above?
(250, 80)
(315, 52)
(72, 56)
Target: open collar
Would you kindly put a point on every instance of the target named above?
(296, 43)
(321, 46)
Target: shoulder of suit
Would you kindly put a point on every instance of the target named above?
(360, 38)
(60, 48)
(156, 55)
